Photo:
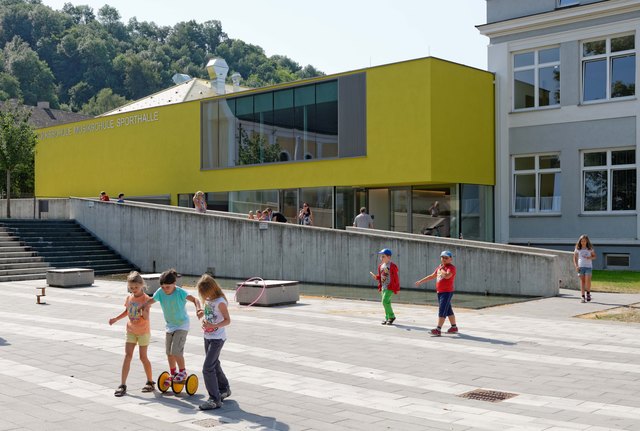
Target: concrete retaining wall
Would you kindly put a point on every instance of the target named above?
(58, 209)
(158, 237)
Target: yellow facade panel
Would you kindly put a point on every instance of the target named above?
(428, 121)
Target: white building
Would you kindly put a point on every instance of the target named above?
(567, 128)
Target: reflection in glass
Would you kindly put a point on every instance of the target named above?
(276, 126)
(524, 163)
(550, 55)
(525, 188)
(623, 43)
(399, 210)
(624, 157)
(524, 89)
(320, 200)
(524, 59)
(595, 80)
(252, 200)
(595, 191)
(596, 47)
(623, 193)
(476, 212)
(549, 162)
(595, 159)
(549, 86)
(623, 76)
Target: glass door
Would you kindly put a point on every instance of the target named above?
(289, 204)
(400, 210)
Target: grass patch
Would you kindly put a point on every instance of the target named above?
(628, 314)
(615, 281)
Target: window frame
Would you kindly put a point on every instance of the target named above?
(609, 56)
(610, 168)
(536, 66)
(537, 172)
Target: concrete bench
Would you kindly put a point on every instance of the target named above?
(277, 292)
(152, 283)
(70, 277)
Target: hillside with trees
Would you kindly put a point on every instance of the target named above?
(89, 61)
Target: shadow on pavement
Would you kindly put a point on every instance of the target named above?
(4, 342)
(485, 340)
(232, 413)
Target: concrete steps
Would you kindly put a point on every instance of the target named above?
(56, 244)
(18, 261)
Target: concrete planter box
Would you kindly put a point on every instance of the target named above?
(70, 277)
(277, 292)
(152, 283)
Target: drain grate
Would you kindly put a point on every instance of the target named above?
(487, 395)
(207, 423)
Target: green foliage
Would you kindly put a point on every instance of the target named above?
(35, 77)
(254, 149)
(103, 102)
(17, 147)
(61, 56)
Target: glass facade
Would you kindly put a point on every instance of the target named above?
(609, 180)
(464, 210)
(608, 68)
(292, 124)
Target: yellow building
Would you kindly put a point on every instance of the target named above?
(395, 138)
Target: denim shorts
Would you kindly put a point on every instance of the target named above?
(444, 304)
(583, 270)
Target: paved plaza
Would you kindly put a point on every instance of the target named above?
(324, 364)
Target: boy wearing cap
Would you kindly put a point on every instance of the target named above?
(388, 283)
(444, 274)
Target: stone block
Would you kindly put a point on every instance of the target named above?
(276, 292)
(70, 277)
(152, 283)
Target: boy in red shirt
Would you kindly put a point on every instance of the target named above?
(444, 274)
(388, 283)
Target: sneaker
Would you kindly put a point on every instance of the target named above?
(225, 394)
(583, 300)
(452, 330)
(210, 404)
(436, 332)
(384, 322)
(588, 296)
(390, 321)
(180, 377)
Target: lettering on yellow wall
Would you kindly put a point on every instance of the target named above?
(100, 125)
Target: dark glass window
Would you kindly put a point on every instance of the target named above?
(277, 126)
(595, 80)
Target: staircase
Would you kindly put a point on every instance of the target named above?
(61, 244)
(17, 261)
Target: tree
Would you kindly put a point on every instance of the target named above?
(17, 144)
(36, 79)
(254, 149)
(103, 102)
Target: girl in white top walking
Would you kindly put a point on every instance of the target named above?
(215, 317)
(583, 256)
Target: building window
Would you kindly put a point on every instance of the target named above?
(616, 261)
(536, 78)
(609, 68)
(609, 180)
(564, 3)
(536, 184)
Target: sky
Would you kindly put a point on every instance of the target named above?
(332, 35)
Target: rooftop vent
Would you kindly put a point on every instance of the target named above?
(179, 78)
(218, 69)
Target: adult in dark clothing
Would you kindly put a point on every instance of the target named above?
(279, 217)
